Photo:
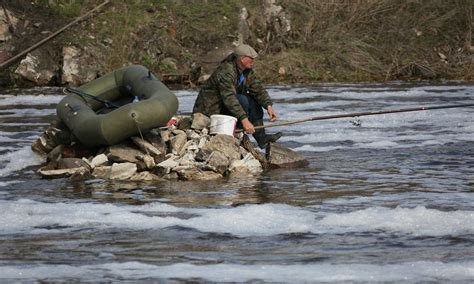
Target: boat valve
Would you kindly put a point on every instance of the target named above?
(69, 106)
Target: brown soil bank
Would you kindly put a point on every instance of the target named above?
(299, 42)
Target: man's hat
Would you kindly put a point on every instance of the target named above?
(245, 50)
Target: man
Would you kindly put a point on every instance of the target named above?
(233, 90)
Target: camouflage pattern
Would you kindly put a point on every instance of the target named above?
(218, 95)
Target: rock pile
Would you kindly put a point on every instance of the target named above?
(185, 150)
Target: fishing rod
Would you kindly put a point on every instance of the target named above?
(356, 114)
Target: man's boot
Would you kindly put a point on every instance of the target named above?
(262, 138)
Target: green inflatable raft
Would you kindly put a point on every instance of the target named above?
(106, 111)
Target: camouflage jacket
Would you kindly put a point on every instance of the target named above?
(218, 95)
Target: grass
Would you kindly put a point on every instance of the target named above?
(330, 40)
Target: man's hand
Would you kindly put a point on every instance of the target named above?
(248, 126)
(273, 116)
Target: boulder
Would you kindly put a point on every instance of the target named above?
(198, 175)
(200, 121)
(38, 68)
(155, 139)
(177, 142)
(166, 166)
(122, 171)
(60, 173)
(99, 160)
(191, 134)
(51, 138)
(226, 144)
(123, 153)
(248, 165)
(190, 146)
(203, 155)
(187, 159)
(148, 161)
(78, 66)
(184, 123)
(165, 135)
(278, 156)
(218, 161)
(71, 163)
(101, 172)
(145, 176)
(55, 154)
(146, 146)
(80, 176)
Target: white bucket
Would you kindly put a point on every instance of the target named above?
(222, 124)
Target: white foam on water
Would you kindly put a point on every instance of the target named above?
(253, 220)
(405, 271)
(418, 221)
(243, 221)
(7, 183)
(27, 112)
(309, 148)
(30, 216)
(382, 144)
(18, 159)
(29, 99)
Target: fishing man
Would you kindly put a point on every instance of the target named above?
(234, 90)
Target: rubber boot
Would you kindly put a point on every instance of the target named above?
(262, 138)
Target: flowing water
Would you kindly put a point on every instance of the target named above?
(389, 200)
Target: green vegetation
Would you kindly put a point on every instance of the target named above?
(330, 40)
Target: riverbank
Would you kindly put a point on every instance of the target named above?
(298, 43)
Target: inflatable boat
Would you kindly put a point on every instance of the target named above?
(116, 106)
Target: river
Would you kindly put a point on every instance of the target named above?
(389, 200)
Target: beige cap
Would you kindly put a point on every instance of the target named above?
(245, 50)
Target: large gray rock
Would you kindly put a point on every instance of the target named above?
(71, 163)
(218, 161)
(78, 66)
(187, 159)
(51, 138)
(148, 161)
(146, 146)
(38, 68)
(101, 172)
(278, 156)
(99, 160)
(200, 121)
(154, 137)
(226, 144)
(55, 154)
(60, 173)
(123, 153)
(203, 155)
(122, 171)
(145, 176)
(198, 175)
(177, 142)
(247, 166)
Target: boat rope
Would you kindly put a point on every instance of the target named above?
(133, 115)
(357, 114)
(84, 95)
